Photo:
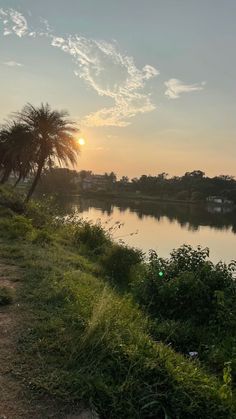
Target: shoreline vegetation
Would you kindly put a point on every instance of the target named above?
(193, 187)
(140, 197)
(126, 337)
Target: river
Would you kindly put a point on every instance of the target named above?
(163, 226)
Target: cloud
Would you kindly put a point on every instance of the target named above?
(14, 22)
(176, 87)
(111, 74)
(105, 69)
(13, 64)
(102, 66)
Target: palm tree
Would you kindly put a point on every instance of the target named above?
(15, 150)
(52, 138)
(5, 161)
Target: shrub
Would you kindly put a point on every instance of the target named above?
(10, 199)
(17, 227)
(188, 286)
(41, 212)
(92, 236)
(180, 335)
(6, 296)
(192, 303)
(118, 262)
(6, 212)
(42, 238)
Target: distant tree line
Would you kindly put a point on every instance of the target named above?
(192, 186)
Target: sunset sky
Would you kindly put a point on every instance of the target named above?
(150, 83)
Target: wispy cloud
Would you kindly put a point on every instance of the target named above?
(176, 87)
(14, 22)
(13, 64)
(111, 74)
(102, 66)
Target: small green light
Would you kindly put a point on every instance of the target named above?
(161, 273)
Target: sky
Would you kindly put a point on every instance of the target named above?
(150, 83)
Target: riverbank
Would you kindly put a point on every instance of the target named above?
(85, 339)
(148, 198)
(133, 197)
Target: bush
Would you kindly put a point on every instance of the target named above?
(41, 213)
(42, 238)
(192, 303)
(6, 212)
(6, 296)
(17, 227)
(92, 236)
(188, 286)
(119, 261)
(10, 199)
(180, 335)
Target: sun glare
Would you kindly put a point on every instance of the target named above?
(81, 141)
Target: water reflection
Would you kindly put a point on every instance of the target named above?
(163, 226)
(187, 215)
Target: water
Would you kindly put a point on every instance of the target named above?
(164, 226)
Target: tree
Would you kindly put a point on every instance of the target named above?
(84, 174)
(5, 162)
(162, 176)
(124, 180)
(226, 178)
(197, 174)
(15, 150)
(112, 177)
(58, 179)
(52, 138)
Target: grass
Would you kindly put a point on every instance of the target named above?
(83, 341)
(6, 296)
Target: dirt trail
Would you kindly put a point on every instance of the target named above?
(15, 399)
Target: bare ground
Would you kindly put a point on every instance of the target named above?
(16, 399)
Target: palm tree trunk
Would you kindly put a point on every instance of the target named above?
(5, 177)
(35, 181)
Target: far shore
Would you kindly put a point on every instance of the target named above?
(141, 197)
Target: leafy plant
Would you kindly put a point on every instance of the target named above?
(92, 236)
(42, 238)
(226, 389)
(118, 262)
(17, 227)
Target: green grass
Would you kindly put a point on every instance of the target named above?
(82, 341)
(6, 296)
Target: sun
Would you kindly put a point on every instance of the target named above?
(81, 141)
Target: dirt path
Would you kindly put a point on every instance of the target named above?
(15, 399)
